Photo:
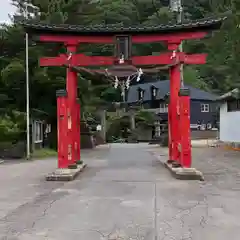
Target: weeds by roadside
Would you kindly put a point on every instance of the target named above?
(44, 153)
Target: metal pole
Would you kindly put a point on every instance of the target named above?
(27, 82)
(27, 89)
(27, 100)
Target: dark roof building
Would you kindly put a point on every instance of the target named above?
(163, 89)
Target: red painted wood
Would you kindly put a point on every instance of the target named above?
(76, 132)
(170, 143)
(166, 37)
(77, 60)
(173, 46)
(165, 59)
(78, 136)
(175, 78)
(83, 60)
(71, 86)
(185, 140)
(62, 132)
(74, 40)
(162, 59)
(170, 37)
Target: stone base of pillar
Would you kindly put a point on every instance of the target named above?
(179, 172)
(184, 173)
(65, 174)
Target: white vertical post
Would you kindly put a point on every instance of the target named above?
(27, 100)
(27, 87)
(27, 82)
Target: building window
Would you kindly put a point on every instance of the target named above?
(204, 107)
(233, 106)
(38, 131)
(163, 108)
(48, 128)
(154, 92)
(140, 94)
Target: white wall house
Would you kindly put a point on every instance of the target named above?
(230, 117)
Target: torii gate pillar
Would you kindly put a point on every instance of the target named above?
(173, 108)
(73, 139)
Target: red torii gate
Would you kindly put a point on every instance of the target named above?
(67, 105)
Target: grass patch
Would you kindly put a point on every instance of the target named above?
(44, 153)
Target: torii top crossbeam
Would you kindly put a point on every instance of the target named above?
(172, 35)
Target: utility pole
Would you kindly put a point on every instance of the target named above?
(27, 80)
(27, 86)
(176, 7)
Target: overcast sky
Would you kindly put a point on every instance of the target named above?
(5, 9)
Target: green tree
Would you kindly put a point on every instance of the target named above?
(220, 74)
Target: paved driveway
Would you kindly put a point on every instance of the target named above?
(123, 194)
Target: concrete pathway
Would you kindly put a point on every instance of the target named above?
(123, 194)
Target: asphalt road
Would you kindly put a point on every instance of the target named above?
(124, 193)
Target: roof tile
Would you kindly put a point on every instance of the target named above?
(163, 89)
(38, 27)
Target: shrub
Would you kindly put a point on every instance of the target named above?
(11, 129)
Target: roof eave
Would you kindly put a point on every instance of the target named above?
(202, 24)
(204, 99)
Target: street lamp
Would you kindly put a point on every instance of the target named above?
(27, 80)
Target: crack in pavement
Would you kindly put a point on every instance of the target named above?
(180, 217)
(187, 210)
(12, 220)
(44, 212)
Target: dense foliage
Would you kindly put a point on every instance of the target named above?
(220, 74)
